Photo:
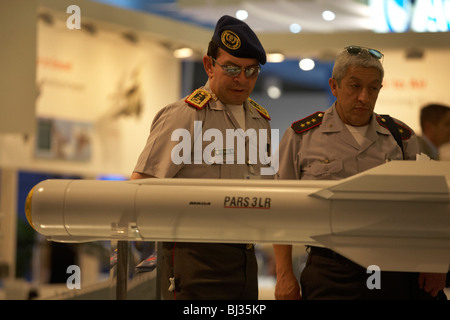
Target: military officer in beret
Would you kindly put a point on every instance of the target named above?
(342, 141)
(232, 63)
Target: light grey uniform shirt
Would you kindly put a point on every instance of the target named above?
(156, 158)
(330, 152)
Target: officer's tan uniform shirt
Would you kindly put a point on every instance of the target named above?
(156, 158)
(330, 152)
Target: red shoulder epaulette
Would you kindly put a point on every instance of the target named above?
(405, 132)
(199, 98)
(307, 123)
(260, 109)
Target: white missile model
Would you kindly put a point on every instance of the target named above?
(395, 216)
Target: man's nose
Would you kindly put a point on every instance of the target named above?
(363, 95)
(240, 77)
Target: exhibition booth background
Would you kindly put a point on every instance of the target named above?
(95, 93)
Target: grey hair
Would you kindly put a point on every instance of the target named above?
(363, 59)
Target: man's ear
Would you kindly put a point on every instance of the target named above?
(207, 64)
(333, 86)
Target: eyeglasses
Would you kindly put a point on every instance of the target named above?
(356, 50)
(233, 71)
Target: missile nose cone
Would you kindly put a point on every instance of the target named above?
(28, 207)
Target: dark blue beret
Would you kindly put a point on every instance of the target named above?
(238, 39)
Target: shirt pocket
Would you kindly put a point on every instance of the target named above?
(323, 169)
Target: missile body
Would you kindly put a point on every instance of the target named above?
(395, 216)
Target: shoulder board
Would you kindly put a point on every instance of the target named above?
(260, 109)
(405, 132)
(199, 98)
(307, 123)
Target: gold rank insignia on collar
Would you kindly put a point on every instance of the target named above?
(199, 98)
(405, 133)
(307, 123)
(260, 109)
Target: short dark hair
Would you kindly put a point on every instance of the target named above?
(432, 112)
(213, 50)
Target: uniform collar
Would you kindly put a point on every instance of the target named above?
(333, 123)
(216, 104)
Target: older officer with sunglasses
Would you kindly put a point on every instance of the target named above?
(346, 139)
(232, 63)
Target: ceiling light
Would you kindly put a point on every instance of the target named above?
(328, 15)
(275, 57)
(183, 53)
(274, 92)
(306, 64)
(295, 28)
(241, 14)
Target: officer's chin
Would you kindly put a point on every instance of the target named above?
(238, 97)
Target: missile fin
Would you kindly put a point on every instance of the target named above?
(408, 254)
(388, 187)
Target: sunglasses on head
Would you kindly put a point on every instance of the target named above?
(233, 71)
(356, 50)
